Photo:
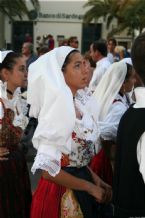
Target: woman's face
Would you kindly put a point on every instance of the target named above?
(75, 73)
(17, 77)
(89, 71)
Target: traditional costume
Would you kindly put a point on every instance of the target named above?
(15, 189)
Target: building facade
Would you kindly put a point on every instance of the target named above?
(61, 19)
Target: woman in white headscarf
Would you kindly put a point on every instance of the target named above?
(15, 189)
(64, 142)
(112, 102)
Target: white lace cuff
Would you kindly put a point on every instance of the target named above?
(45, 162)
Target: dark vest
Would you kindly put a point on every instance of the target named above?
(129, 187)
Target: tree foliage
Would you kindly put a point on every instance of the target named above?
(13, 8)
(130, 14)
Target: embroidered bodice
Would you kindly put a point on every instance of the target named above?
(85, 134)
(12, 117)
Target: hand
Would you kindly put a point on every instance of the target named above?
(99, 182)
(97, 192)
(3, 152)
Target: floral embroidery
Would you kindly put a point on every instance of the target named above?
(70, 207)
(85, 134)
(9, 134)
(82, 151)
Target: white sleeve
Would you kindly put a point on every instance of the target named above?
(52, 136)
(141, 155)
(109, 126)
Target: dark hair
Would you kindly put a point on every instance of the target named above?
(138, 55)
(68, 59)
(29, 45)
(113, 40)
(71, 39)
(101, 46)
(42, 50)
(10, 60)
(88, 57)
(129, 71)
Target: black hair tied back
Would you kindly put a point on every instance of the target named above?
(10, 60)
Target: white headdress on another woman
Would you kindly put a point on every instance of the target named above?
(107, 90)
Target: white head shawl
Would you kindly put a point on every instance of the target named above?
(3, 86)
(108, 87)
(3, 54)
(51, 102)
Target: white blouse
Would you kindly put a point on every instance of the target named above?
(109, 126)
(84, 137)
(83, 141)
(16, 104)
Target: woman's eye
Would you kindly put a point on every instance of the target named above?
(77, 65)
(23, 70)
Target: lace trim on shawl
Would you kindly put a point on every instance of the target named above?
(44, 162)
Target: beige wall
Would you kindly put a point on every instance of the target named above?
(55, 28)
(47, 24)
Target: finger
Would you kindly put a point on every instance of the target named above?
(108, 196)
(4, 149)
(4, 153)
(3, 158)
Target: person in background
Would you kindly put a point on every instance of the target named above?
(67, 188)
(73, 42)
(118, 80)
(28, 38)
(129, 173)
(119, 52)
(111, 44)
(27, 52)
(98, 52)
(50, 42)
(15, 189)
(42, 50)
(63, 42)
(39, 43)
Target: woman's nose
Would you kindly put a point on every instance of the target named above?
(85, 67)
(26, 73)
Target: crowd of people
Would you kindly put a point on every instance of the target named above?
(89, 131)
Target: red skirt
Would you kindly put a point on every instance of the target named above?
(52, 200)
(46, 200)
(101, 165)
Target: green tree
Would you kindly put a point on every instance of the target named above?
(13, 8)
(130, 14)
(134, 16)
